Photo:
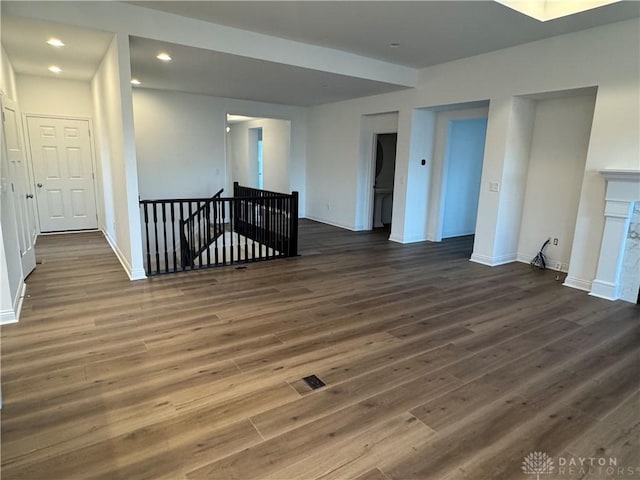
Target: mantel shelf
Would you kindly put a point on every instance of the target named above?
(621, 175)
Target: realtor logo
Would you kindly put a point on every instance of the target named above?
(537, 463)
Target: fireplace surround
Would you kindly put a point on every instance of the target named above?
(618, 272)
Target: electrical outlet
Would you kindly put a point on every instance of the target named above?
(558, 266)
(555, 241)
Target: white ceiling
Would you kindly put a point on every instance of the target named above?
(429, 32)
(196, 70)
(24, 40)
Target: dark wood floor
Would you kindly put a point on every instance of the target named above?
(436, 368)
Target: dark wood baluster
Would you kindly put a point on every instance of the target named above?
(146, 226)
(216, 226)
(207, 225)
(224, 240)
(155, 231)
(191, 230)
(232, 213)
(173, 235)
(164, 234)
(294, 224)
(245, 213)
(269, 219)
(183, 238)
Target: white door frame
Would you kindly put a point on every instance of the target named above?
(371, 176)
(92, 149)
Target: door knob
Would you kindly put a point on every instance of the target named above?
(39, 185)
(29, 195)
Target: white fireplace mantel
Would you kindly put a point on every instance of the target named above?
(623, 190)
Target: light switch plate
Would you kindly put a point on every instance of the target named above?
(494, 187)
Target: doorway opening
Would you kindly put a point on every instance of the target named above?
(462, 172)
(258, 152)
(384, 162)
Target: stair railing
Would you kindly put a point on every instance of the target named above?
(195, 233)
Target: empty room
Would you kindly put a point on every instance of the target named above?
(369, 240)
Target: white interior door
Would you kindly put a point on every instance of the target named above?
(23, 195)
(63, 174)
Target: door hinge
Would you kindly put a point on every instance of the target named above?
(13, 190)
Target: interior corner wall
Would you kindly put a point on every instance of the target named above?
(55, 96)
(558, 151)
(119, 203)
(514, 179)
(180, 142)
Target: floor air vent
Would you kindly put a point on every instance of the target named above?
(313, 381)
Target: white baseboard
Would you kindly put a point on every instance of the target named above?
(606, 290)
(493, 261)
(7, 317)
(552, 263)
(328, 222)
(405, 240)
(577, 283)
(10, 316)
(137, 274)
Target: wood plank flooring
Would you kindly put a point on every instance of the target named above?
(435, 368)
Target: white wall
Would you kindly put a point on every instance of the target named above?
(55, 96)
(116, 154)
(180, 140)
(558, 154)
(276, 141)
(179, 145)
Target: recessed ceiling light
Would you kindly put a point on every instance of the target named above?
(55, 69)
(135, 81)
(55, 42)
(164, 56)
(394, 45)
